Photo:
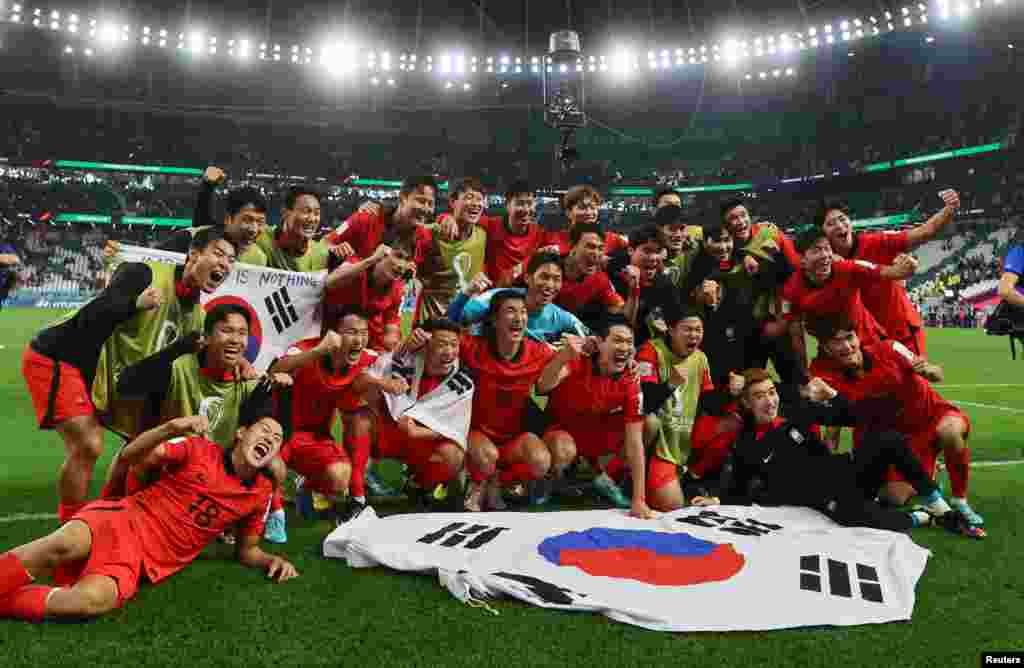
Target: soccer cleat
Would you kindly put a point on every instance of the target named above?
(377, 487)
(956, 522)
(607, 488)
(275, 529)
(494, 498)
(351, 511)
(973, 518)
(474, 497)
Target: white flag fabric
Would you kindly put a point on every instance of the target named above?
(285, 306)
(726, 568)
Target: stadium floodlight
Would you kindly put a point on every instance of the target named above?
(391, 82)
(448, 85)
(505, 60)
(929, 39)
(108, 35)
(790, 72)
(69, 50)
(16, 8)
(460, 63)
(374, 81)
(196, 42)
(73, 28)
(88, 52)
(145, 40)
(963, 10)
(338, 57)
(243, 49)
(732, 53)
(54, 25)
(446, 63)
(15, 18)
(385, 61)
(466, 86)
(55, 15)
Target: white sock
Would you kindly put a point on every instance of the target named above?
(360, 499)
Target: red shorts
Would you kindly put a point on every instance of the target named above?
(591, 444)
(58, 390)
(116, 551)
(393, 444)
(660, 472)
(923, 443)
(311, 454)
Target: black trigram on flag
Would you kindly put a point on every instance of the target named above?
(839, 581)
(457, 533)
(279, 306)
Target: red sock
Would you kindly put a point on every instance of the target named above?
(518, 472)
(434, 474)
(616, 468)
(958, 463)
(65, 511)
(476, 474)
(27, 603)
(277, 501)
(12, 574)
(359, 449)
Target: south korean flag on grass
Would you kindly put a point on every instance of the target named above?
(724, 568)
(284, 306)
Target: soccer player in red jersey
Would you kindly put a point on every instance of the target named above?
(143, 308)
(888, 302)
(586, 289)
(375, 285)
(891, 386)
(512, 241)
(595, 405)
(825, 287)
(367, 229)
(505, 364)
(332, 375)
(428, 427)
(581, 205)
(113, 546)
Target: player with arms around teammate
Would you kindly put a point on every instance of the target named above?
(447, 265)
(595, 405)
(586, 289)
(113, 546)
(331, 375)
(146, 307)
(887, 301)
(892, 388)
(428, 426)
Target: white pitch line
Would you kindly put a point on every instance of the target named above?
(995, 408)
(25, 517)
(986, 465)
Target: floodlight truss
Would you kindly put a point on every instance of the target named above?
(745, 55)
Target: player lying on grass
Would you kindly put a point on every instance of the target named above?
(595, 408)
(427, 427)
(331, 375)
(115, 545)
(891, 388)
(201, 375)
(779, 461)
(146, 307)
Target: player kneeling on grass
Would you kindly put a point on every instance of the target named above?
(892, 385)
(428, 426)
(595, 405)
(114, 545)
(505, 364)
(779, 461)
(331, 375)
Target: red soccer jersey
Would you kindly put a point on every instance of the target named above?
(318, 391)
(502, 386)
(887, 300)
(563, 239)
(586, 401)
(365, 231)
(196, 498)
(839, 295)
(889, 394)
(381, 308)
(507, 252)
(597, 287)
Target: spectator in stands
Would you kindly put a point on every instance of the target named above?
(1010, 289)
(8, 274)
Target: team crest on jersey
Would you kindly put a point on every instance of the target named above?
(168, 334)
(211, 408)
(796, 435)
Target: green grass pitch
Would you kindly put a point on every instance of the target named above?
(218, 613)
